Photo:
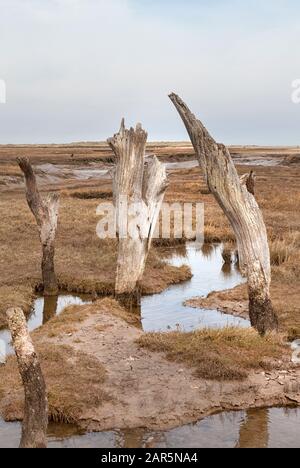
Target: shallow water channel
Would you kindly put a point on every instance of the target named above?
(43, 310)
(165, 311)
(276, 427)
(264, 428)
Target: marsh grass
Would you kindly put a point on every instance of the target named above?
(74, 382)
(223, 354)
(86, 264)
(85, 194)
(227, 252)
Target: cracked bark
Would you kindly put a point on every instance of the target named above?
(35, 421)
(45, 212)
(236, 198)
(142, 187)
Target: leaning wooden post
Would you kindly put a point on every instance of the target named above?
(136, 190)
(46, 215)
(35, 421)
(237, 200)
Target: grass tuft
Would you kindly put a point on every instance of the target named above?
(222, 354)
(74, 382)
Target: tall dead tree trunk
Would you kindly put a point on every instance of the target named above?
(35, 422)
(237, 200)
(46, 214)
(138, 193)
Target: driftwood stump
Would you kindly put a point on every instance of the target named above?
(237, 200)
(46, 215)
(141, 188)
(35, 422)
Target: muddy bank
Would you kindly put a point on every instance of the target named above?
(233, 302)
(131, 377)
(265, 156)
(58, 165)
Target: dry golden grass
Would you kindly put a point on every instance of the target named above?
(74, 382)
(228, 252)
(85, 194)
(226, 354)
(281, 251)
(86, 264)
(74, 379)
(19, 294)
(66, 322)
(11, 170)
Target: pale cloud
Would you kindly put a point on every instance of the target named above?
(73, 68)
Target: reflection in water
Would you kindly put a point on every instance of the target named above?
(254, 431)
(207, 250)
(50, 308)
(264, 428)
(227, 269)
(43, 310)
(131, 303)
(47, 307)
(165, 311)
(131, 438)
(178, 251)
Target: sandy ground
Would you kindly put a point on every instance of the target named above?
(148, 391)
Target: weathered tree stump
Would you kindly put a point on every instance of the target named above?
(35, 422)
(237, 200)
(46, 215)
(137, 190)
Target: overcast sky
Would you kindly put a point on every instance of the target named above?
(73, 68)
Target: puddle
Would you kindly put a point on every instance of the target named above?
(50, 173)
(44, 309)
(182, 165)
(263, 428)
(241, 160)
(258, 161)
(165, 311)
